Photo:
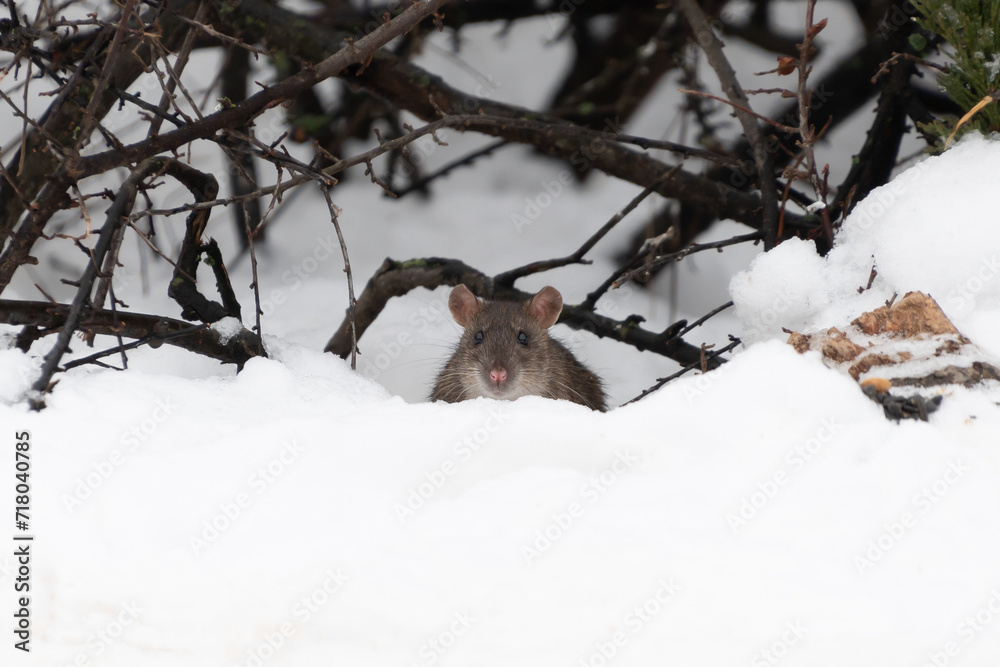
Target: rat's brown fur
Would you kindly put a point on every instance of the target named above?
(541, 366)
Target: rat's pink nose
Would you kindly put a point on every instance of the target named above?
(498, 376)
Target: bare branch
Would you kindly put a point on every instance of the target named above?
(241, 114)
(507, 278)
(151, 329)
(690, 250)
(398, 278)
(114, 216)
(351, 301)
(712, 47)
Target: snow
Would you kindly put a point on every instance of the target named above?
(934, 228)
(542, 522)
(228, 328)
(301, 513)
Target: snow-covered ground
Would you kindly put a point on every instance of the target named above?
(301, 513)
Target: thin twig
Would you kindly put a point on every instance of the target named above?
(690, 250)
(807, 133)
(152, 246)
(421, 183)
(114, 313)
(202, 340)
(181, 62)
(508, 277)
(113, 52)
(712, 46)
(737, 107)
(123, 347)
(351, 302)
(253, 270)
(212, 32)
(715, 354)
(356, 52)
(701, 320)
(114, 216)
(896, 57)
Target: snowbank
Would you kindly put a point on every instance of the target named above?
(299, 514)
(935, 228)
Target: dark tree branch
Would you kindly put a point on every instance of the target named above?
(199, 339)
(355, 19)
(242, 180)
(398, 278)
(104, 285)
(713, 49)
(757, 32)
(51, 198)
(412, 88)
(708, 361)
(183, 286)
(421, 183)
(660, 260)
(705, 318)
(874, 164)
(611, 75)
(114, 51)
(115, 214)
(836, 98)
(351, 301)
(241, 114)
(153, 340)
(807, 132)
(37, 164)
(229, 303)
(75, 168)
(507, 278)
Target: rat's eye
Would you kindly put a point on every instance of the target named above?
(478, 338)
(522, 338)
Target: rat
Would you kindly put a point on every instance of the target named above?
(506, 352)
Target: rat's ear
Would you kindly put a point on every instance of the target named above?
(463, 305)
(545, 307)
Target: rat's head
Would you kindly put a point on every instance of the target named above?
(505, 349)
